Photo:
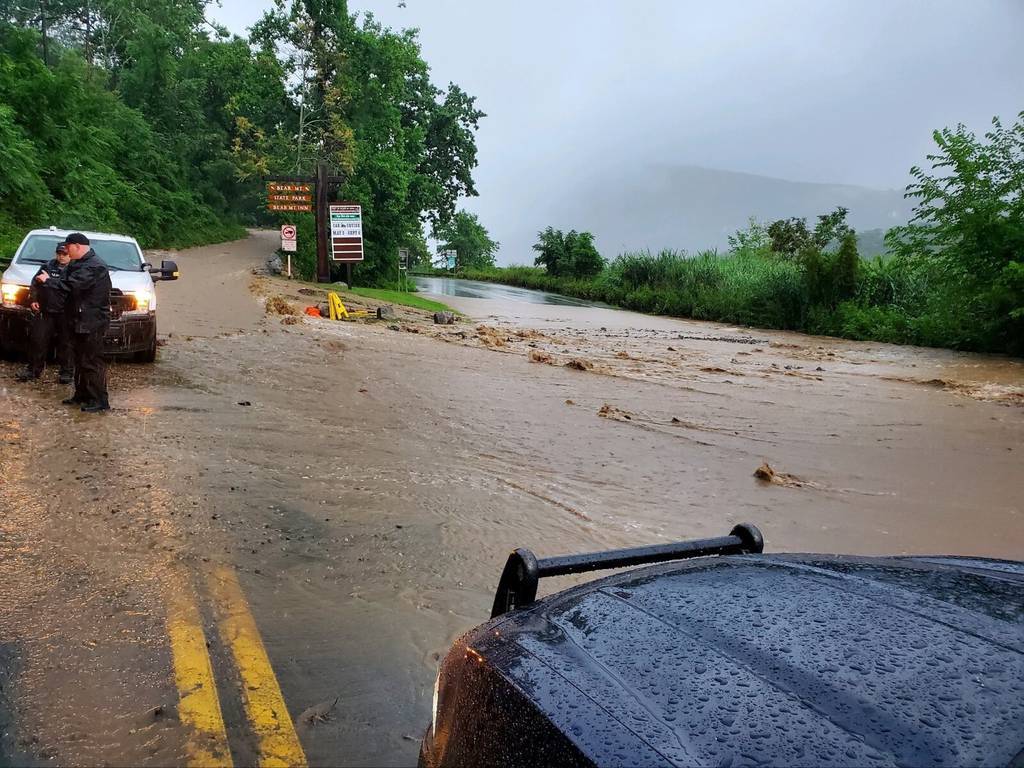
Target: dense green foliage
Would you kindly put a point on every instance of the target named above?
(140, 116)
(953, 277)
(75, 154)
(572, 254)
(469, 239)
(366, 106)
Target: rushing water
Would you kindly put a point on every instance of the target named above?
(474, 289)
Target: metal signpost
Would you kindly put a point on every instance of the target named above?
(403, 266)
(303, 194)
(289, 243)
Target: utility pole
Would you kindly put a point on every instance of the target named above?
(42, 28)
(323, 222)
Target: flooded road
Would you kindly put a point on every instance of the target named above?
(447, 287)
(364, 482)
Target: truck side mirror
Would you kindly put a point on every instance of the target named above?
(168, 271)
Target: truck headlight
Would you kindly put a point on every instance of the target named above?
(14, 294)
(143, 301)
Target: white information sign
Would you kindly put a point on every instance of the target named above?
(346, 232)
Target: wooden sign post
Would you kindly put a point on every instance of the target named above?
(305, 194)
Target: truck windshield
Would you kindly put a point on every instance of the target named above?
(116, 254)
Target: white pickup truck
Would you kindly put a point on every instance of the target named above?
(133, 302)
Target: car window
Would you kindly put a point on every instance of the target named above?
(38, 249)
(116, 254)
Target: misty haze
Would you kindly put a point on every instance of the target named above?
(613, 117)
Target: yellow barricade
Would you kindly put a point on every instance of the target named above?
(338, 311)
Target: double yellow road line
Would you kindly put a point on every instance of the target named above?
(199, 704)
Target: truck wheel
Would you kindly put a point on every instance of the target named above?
(8, 352)
(148, 355)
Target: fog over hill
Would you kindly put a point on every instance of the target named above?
(680, 207)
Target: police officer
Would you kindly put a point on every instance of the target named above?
(86, 284)
(49, 324)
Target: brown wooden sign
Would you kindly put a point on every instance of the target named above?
(287, 196)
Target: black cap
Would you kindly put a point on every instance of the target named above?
(62, 248)
(76, 237)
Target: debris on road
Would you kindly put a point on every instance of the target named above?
(491, 337)
(275, 305)
(319, 713)
(444, 318)
(766, 474)
(607, 411)
(580, 364)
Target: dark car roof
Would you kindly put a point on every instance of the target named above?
(792, 660)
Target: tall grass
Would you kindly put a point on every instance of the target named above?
(893, 301)
(734, 288)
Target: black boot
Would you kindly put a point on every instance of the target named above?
(98, 407)
(74, 400)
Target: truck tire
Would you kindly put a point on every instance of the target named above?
(147, 355)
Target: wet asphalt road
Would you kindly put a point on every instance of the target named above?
(342, 497)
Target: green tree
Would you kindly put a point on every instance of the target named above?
(571, 254)
(85, 159)
(754, 239)
(968, 225)
(584, 258)
(551, 252)
(845, 267)
(367, 108)
(175, 121)
(469, 238)
(790, 237)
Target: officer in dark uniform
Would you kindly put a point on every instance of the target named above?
(87, 286)
(49, 324)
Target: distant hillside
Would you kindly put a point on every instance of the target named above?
(684, 207)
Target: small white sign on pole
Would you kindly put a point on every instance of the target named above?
(289, 238)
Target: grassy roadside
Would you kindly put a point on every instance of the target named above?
(388, 296)
(404, 298)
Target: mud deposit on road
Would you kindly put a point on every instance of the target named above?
(366, 481)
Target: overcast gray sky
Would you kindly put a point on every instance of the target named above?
(806, 90)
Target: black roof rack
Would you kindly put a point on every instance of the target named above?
(518, 585)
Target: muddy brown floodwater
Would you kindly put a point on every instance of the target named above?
(366, 481)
